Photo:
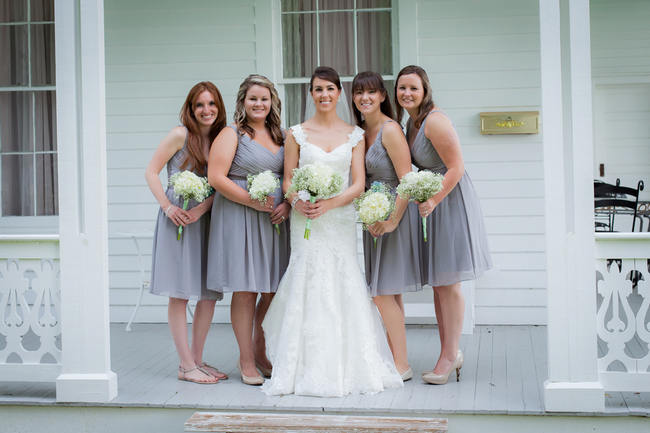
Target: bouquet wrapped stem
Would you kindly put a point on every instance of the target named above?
(180, 228)
(312, 199)
(420, 186)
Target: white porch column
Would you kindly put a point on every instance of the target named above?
(573, 383)
(81, 137)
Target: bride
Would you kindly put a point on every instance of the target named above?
(323, 333)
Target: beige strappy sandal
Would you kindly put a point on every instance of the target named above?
(182, 375)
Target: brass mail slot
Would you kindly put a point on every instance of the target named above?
(510, 122)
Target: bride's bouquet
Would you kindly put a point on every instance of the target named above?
(375, 205)
(188, 185)
(262, 185)
(420, 186)
(313, 182)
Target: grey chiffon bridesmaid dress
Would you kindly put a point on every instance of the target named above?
(178, 267)
(393, 265)
(457, 248)
(245, 253)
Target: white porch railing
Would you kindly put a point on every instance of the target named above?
(30, 327)
(623, 291)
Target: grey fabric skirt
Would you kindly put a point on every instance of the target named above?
(457, 248)
(245, 253)
(393, 265)
(178, 267)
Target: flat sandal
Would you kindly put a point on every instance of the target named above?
(182, 375)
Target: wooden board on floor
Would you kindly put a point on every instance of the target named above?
(298, 423)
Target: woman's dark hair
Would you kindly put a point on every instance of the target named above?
(371, 81)
(325, 73)
(195, 156)
(427, 100)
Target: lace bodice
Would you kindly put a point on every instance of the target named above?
(338, 159)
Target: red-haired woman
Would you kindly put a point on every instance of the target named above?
(179, 266)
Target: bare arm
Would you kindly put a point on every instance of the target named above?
(398, 151)
(169, 145)
(221, 155)
(439, 130)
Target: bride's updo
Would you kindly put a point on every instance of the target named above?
(325, 73)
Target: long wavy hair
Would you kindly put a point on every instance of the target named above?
(273, 120)
(196, 159)
(371, 81)
(427, 103)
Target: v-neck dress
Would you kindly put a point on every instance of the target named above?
(178, 267)
(393, 265)
(457, 246)
(245, 253)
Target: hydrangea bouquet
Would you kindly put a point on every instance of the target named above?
(313, 182)
(188, 185)
(375, 205)
(420, 186)
(262, 185)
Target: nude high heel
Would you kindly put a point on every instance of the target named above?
(441, 379)
(459, 354)
(250, 380)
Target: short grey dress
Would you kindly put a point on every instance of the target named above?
(245, 253)
(457, 247)
(178, 267)
(393, 266)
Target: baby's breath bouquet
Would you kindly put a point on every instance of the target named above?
(188, 185)
(420, 186)
(262, 185)
(313, 182)
(375, 205)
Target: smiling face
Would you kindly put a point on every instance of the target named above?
(368, 101)
(410, 91)
(325, 94)
(205, 109)
(257, 103)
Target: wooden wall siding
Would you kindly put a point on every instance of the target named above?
(620, 46)
(484, 56)
(155, 51)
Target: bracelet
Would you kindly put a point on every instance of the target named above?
(167, 210)
(294, 201)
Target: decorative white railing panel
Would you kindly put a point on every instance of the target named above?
(623, 293)
(30, 328)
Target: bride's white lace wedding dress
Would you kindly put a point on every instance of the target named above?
(323, 333)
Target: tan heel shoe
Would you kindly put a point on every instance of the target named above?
(250, 380)
(266, 372)
(407, 374)
(441, 379)
(459, 354)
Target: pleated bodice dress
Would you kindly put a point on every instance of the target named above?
(178, 267)
(457, 248)
(245, 253)
(393, 265)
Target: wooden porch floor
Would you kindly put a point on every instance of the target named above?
(504, 371)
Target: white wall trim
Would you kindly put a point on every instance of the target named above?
(407, 33)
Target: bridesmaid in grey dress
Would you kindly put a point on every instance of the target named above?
(392, 265)
(178, 267)
(246, 255)
(457, 248)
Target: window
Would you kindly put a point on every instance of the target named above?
(28, 151)
(349, 35)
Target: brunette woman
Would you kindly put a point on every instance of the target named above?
(393, 264)
(179, 266)
(457, 248)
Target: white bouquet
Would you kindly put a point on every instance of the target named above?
(420, 186)
(313, 182)
(188, 185)
(262, 185)
(375, 205)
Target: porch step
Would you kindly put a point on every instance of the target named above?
(308, 423)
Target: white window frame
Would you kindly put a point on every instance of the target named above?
(279, 78)
(32, 224)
